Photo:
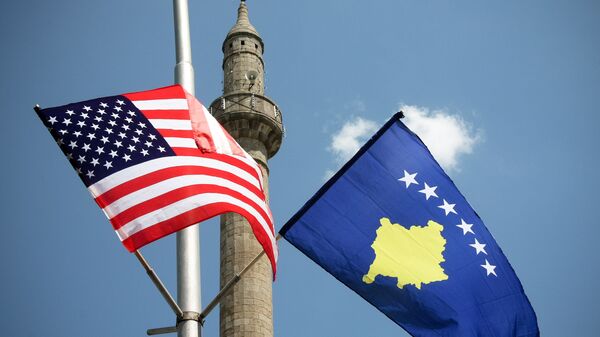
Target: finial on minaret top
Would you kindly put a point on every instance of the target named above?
(243, 24)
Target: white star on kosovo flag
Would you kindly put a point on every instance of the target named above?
(466, 227)
(490, 269)
(479, 247)
(448, 208)
(429, 191)
(409, 179)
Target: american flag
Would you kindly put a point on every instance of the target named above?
(157, 161)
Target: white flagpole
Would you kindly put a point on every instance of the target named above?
(188, 240)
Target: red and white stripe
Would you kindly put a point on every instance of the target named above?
(210, 175)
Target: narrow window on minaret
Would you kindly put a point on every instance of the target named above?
(243, 42)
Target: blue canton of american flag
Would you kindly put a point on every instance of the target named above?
(157, 161)
(103, 136)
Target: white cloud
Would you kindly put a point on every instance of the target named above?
(447, 136)
(353, 134)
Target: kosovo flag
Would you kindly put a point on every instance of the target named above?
(393, 227)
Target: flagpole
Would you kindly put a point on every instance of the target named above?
(188, 239)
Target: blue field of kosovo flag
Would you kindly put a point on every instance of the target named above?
(393, 227)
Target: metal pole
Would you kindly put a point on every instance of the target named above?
(188, 240)
(184, 71)
(159, 285)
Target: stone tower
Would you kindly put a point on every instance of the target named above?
(255, 122)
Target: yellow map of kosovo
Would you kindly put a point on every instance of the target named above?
(413, 255)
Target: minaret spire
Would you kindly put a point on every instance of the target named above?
(243, 22)
(242, 18)
(254, 120)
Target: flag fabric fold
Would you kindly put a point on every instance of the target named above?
(393, 227)
(157, 161)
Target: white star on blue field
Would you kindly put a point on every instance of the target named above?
(410, 178)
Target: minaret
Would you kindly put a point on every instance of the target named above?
(255, 122)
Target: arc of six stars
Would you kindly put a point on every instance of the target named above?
(429, 191)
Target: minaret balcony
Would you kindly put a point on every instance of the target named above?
(250, 115)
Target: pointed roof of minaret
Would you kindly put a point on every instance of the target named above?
(243, 24)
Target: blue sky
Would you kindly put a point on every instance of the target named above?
(521, 79)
